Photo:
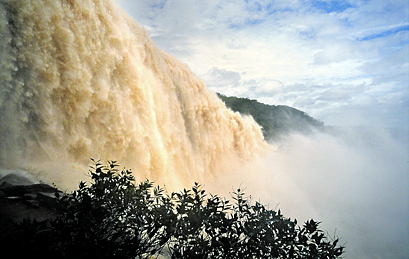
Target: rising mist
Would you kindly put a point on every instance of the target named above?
(354, 180)
(81, 79)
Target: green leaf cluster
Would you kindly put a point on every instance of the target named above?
(112, 217)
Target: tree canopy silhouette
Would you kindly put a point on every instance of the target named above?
(112, 217)
(275, 120)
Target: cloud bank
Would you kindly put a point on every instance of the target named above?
(331, 57)
(354, 180)
(343, 62)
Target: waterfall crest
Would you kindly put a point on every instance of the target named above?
(81, 79)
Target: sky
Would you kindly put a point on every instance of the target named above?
(345, 63)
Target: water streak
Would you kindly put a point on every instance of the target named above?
(81, 79)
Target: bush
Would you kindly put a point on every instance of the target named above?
(114, 218)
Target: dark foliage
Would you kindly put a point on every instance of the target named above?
(114, 218)
(275, 120)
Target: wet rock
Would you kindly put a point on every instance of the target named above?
(19, 201)
(16, 178)
(33, 203)
(30, 196)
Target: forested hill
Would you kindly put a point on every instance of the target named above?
(275, 120)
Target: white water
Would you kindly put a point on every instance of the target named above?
(80, 79)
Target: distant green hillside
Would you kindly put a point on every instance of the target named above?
(275, 120)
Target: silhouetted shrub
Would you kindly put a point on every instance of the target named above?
(115, 218)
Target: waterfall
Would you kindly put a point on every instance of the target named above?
(80, 79)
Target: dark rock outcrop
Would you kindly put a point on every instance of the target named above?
(21, 199)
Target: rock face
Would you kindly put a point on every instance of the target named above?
(21, 199)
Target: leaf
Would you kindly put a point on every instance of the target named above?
(116, 218)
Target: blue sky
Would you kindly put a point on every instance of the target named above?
(343, 62)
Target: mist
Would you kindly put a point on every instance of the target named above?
(354, 180)
(81, 80)
(85, 81)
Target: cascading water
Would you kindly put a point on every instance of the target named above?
(80, 79)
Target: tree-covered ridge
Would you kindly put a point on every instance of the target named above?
(115, 218)
(275, 120)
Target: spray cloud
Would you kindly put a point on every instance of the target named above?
(80, 79)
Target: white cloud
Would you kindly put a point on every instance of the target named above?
(335, 45)
(342, 62)
(340, 92)
(270, 87)
(216, 77)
